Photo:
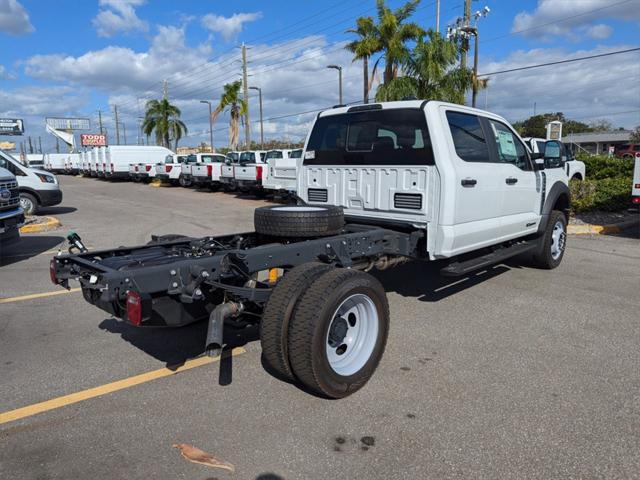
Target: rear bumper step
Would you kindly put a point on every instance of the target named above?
(457, 269)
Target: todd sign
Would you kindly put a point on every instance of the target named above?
(93, 140)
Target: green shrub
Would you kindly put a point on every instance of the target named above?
(601, 166)
(607, 194)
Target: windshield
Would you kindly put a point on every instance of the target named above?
(274, 154)
(213, 158)
(247, 157)
(296, 153)
(396, 136)
(168, 159)
(189, 159)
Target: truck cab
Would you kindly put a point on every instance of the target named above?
(461, 175)
(171, 169)
(227, 172)
(282, 170)
(207, 170)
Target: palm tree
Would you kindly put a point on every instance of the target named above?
(366, 45)
(163, 118)
(392, 35)
(431, 73)
(237, 108)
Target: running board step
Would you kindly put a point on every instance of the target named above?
(457, 269)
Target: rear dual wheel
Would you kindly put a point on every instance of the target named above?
(331, 329)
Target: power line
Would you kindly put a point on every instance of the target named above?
(569, 60)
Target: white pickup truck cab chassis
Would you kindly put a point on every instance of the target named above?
(575, 169)
(380, 185)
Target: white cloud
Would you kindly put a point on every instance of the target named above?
(6, 74)
(228, 27)
(118, 16)
(573, 19)
(14, 19)
(597, 88)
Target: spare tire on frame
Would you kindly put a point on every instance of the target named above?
(296, 221)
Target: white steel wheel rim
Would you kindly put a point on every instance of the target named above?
(558, 240)
(26, 204)
(352, 334)
(301, 209)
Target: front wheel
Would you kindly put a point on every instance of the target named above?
(29, 203)
(338, 332)
(552, 243)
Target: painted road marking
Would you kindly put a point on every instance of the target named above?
(33, 296)
(65, 400)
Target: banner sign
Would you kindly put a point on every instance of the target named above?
(93, 140)
(11, 126)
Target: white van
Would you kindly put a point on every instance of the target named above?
(38, 188)
(54, 162)
(282, 170)
(119, 158)
(35, 160)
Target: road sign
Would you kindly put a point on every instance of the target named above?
(554, 130)
(93, 140)
(11, 126)
(68, 123)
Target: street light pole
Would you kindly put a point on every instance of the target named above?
(474, 92)
(339, 68)
(210, 124)
(261, 124)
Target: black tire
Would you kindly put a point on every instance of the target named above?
(298, 221)
(29, 203)
(309, 328)
(543, 257)
(184, 182)
(276, 316)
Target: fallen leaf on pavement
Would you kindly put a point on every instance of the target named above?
(196, 455)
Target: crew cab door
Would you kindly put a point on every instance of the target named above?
(520, 206)
(472, 196)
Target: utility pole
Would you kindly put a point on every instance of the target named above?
(30, 145)
(165, 90)
(57, 145)
(100, 120)
(339, 68)
(124, 131)
(474, 87)
(115, 109)
(210, 124)
(438, 16)
(465, 40)
(261, 124)
(245, 88)
(40, 144)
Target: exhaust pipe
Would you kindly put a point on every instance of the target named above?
(213, 346)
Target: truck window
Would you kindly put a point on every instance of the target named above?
(541, 145)
(247, 157)
(468, 137)
(274, 154)
(510, 149)
(376, 137)
(296, 153)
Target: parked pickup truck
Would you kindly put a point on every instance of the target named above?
(171, 169)
(382, 184)
(227, 179)
(282, 170)
(11, 214)
(248, 173)
(575, 169)
(207, 170)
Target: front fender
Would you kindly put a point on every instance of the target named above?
(560, 195)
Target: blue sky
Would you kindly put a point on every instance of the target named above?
(75, 57)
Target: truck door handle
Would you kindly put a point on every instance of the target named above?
(511, 180)
(468, 182)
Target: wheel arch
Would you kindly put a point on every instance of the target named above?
(30, 191)
(558, 198)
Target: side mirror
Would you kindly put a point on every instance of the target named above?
(553, 153)
(538, 163)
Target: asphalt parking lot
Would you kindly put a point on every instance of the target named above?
(512, 373)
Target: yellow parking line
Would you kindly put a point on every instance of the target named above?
(65, 400)
(33, 296)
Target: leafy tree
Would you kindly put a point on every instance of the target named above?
(601, 125)
(367, 44)
(635, 135)
(536, 126)
(237, 107)
(430, 73)
(163, 118)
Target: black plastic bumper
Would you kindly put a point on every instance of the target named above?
(49, 198)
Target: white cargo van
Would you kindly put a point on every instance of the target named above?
(120, 157)
(55, 162)
(35, 160)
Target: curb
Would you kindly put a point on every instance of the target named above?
(589, 229)
(49, 223)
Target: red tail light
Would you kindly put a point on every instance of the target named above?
(168, 168)
(135, 169)
(52, 271)
(147, 167)
(209, 170)
(112, 167)
(134, 308)
(104, 166)
(258, 173)
(636, 200)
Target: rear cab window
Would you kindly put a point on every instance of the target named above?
(375, 137)
(274, 154)
(247, 157)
